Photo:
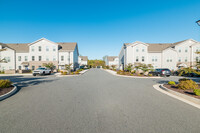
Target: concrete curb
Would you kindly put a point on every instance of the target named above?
(184, 98)
(13, 91)
(81, 73)
(115, 73)
(15, 74)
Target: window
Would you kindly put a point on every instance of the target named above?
(54, 48)
(137, 49)
(179, 59)
(39, 66)
(32, 48)
(62, 58)
(143, 49)
(19, 58)
(39, 58)
(10, 67)
(197, 58)
(171, 60)
(54, 58)
(20, 67)
(186, 49)
(153, 59)
(26, 58)
(142, 58)
(197, 49)
(156, 59)
(179, 50)
(33, 58)
(186, 59)
(137, 59)
(47, 58)
(39, 48)
(7, 59)
(167, 60)
(33, 67)
(47, 48)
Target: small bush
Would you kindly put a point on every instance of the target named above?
(5, 83)
(131, 74)
(196, 92)
(150, 75)
(187, 84)
(171, 83)
(72, 73)
(63, 73)
(77, 72)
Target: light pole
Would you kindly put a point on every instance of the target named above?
(198, 22)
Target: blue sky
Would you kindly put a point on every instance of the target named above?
(99, 26)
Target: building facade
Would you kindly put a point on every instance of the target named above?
(36, 54)
(112, 60)
(160, 55)
(83, 60)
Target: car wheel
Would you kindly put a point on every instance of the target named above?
(50, 73)
(34, 74)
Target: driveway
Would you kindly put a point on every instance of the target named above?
(95, 102)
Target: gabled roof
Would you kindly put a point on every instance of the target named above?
(84, 58)
(41, 40)
(19, 47)
(24, 47)
(159, 47)
(111, 58)
(65, 46)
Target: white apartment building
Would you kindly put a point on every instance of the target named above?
(83, 60)
(35, 54)
(112, 60)
(160, 55)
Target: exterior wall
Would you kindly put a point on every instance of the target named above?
(19, 63)
(68, 59)
(50, 55)
(82, 62)
(38, 64)
(8, 54)
(155, 59)
(169, 59)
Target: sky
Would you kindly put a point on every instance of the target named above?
(100, 27)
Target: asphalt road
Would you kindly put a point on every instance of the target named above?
(95, 102)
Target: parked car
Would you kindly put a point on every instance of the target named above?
(161, 72)
(42, 71)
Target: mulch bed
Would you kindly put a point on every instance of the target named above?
(5, 90)
(186, 92)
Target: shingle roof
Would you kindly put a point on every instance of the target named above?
(159, 47)
(24, 47)
(84, 58)
(111, 58)
(67, 46)
(19, 47)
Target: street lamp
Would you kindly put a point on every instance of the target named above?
(198, 22)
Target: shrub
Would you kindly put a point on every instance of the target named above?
(171, 83)
(77, 72)
(72, 73)
(196, 92)
(150, 75)
(187, 84)
(131, 74)
(5, 83)
(63, 73)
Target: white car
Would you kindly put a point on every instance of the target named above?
(42, 71)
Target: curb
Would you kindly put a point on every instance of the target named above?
(114, 73)
(13, 91)
(184, 98)
(84, 71)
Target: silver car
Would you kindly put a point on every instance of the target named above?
(42, 71)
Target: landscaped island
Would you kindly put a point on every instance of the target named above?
(5, 86)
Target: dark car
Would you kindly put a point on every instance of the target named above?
(161, 72)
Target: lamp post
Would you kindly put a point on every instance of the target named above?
(198, 22)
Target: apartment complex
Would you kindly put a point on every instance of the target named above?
(160, 55)
(112, 60)
(35, 54)
(83, 60)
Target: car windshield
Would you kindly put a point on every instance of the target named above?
(41, 69)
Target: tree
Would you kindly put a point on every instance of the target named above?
(68, 68)
(95, 63)
(49, 65)
(198, 61)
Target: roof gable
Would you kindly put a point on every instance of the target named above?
(42, 39)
